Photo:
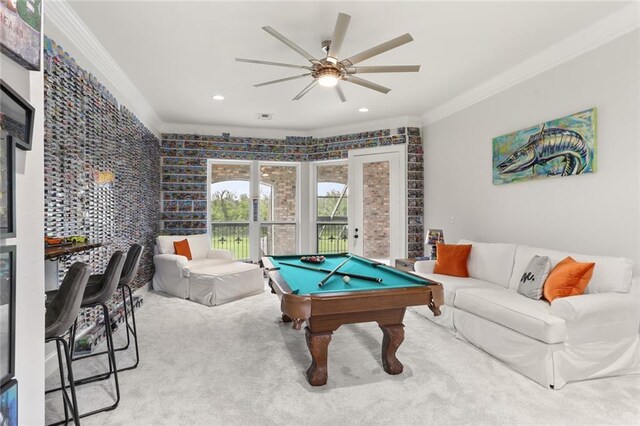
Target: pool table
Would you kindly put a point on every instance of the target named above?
(325, 308)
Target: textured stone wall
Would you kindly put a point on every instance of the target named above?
(376, 203)
(415, 193)
(101, 168)
(184, 174)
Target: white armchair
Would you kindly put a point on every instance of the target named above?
(211, 277)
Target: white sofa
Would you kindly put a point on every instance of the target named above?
(211, 278)
(573, 338)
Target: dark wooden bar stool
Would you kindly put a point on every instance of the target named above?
(61, 314)
(129, 272)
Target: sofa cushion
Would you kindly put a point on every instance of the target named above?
(199, 244)
(609, 274)
(203, 263)
(182, 248)
(491, 262)
(568, 278)
(451, 285)
(534, 276)
(512, 310)
(452, 260)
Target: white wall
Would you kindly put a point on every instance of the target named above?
(592, 214)
(30, 250)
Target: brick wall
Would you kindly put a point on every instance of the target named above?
(335, 173)
(282, 208)
(376, 204)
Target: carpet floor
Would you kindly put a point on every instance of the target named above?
(239, 364)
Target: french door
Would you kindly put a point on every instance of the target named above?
(253, 207)
(377, 205)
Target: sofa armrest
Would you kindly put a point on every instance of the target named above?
(424, 266)
(170, 264)
(599, 308)
(220, 254)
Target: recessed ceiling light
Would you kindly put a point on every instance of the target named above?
(218, 97)
(363, 109)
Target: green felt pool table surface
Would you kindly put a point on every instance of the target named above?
(305, 282)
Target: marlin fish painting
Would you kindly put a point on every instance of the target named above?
(561, 147)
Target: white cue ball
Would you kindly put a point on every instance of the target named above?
(346, 278)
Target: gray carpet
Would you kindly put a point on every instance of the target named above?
(238, 364)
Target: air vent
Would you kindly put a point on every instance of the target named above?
(264, 116)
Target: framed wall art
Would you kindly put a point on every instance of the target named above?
(7, 186)
(562, 147)
(16, 117)
(9, 404)
(7, 313)
(21, 28)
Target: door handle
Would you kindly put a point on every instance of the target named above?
(355, 235)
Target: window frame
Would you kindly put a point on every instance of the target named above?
(313, 190)
(254, 194)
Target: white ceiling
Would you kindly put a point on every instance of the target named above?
(178, 54)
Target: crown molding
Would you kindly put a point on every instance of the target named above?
(236, 131)
(262, 132)
(66, 20)
(365, 126)
(617, 24)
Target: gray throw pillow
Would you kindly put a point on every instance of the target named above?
(534, 276)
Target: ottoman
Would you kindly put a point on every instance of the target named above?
(217, 284)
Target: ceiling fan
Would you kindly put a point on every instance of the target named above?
(329, 71)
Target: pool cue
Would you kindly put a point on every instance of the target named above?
(325, 279)
(311, 268)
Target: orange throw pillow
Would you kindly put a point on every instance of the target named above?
(452, 259)
(568, 278)
(182, 248)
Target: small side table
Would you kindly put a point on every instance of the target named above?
(405, 264)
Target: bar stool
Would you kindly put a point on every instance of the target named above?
(129, 272)
(62, 312)
(98, 294)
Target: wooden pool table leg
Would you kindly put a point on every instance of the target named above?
(393, 335)
(318, 344)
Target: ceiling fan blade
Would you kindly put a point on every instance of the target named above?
(305, 90)
(381, 48)
(281, 80)
(291, 44)
(366, 83)
(277, 64)
(383, 68)
(340, 30)
(340, 93)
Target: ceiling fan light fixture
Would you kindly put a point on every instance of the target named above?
(328, 76)
(328, 81)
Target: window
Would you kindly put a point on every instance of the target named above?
(230, 208)
(277, 209)
(331, 208)
(236, 188)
